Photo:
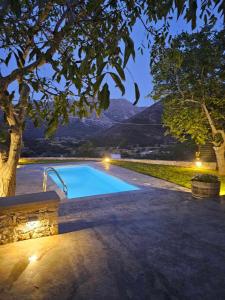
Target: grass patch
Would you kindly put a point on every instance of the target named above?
(179, 175)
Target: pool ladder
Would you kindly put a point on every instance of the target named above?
(45, 179)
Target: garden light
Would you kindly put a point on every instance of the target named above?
(33, 222)
(106, 160)
(198, 163)
(33, 258)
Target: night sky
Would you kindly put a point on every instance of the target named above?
(140, 69)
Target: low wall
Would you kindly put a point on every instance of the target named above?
(28, 216)
(187, 164)
(27, 159)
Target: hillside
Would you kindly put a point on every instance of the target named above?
(118, 111)
(144, 129)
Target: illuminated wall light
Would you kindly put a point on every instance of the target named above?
(22, 160)
(33, 258)
(33, 222)
(198, 164)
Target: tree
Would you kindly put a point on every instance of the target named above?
(189, 77)
(80, 43)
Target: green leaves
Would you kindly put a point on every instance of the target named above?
(137, 93)
(32, 54)
(103, 97)
(15, 7)
(19, 58)
(51, 128)
(118, 82)
(8, 58)
(187, 74)
(100, 67)
(92, 41)
(191, 13)
(129, 49)
(98, 83)
(120, 71)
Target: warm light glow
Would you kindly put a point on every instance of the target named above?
(107, 167)
(23, 160)
(33, 224)
(198, 164)
(106, 159)
(33, 258)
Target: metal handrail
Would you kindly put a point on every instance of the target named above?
(45, 179)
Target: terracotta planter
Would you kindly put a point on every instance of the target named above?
(205, 189)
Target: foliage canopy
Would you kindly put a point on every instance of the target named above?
(82, 44)
(189, 77)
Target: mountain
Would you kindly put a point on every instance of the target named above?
(118, 111)
(144, 129)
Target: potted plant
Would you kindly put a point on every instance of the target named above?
(205, 186)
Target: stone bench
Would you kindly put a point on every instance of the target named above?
(28, 216)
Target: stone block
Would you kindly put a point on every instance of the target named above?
(28, 216)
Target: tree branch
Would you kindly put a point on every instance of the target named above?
(23, 103)
(211, 123)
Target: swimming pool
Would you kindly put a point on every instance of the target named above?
(83, 181)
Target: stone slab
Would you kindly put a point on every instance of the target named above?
(27, 200)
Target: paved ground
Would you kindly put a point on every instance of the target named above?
(157, 243)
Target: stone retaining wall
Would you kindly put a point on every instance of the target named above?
(27, 159)
(186, 164)
(28, 216)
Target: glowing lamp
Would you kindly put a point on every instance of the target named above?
(33, 258)
(33, 222)
(198, 164)
(106, 160)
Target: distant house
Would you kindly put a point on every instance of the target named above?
(115, 155)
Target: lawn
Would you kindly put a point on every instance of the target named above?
(179, 175)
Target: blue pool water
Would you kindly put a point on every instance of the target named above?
(85, 181)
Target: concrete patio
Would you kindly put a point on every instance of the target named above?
(156, 243)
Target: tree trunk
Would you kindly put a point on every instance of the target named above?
(7, 181)
(220, 152)
(8, 169)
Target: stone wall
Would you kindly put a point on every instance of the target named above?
(28, 216)
(186, 164)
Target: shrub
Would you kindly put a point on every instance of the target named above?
(205, 178)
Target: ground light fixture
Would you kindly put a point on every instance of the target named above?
(32, 258)
(198, 163)
(106, 160)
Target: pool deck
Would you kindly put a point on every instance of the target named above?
(156, 243)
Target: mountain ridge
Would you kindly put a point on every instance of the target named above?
(118, 111)
(144, 129)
